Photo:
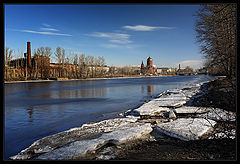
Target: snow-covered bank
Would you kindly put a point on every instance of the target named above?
(164, 114)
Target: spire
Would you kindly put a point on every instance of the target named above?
(142, 65)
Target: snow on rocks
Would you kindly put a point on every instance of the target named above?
(186, 128)
(218, 114)
(79, 149)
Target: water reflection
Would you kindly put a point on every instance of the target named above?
(30, 114)
(150, 90)
(142, 89)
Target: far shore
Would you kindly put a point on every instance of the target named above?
(100, 78)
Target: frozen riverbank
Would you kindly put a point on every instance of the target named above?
(100, 140)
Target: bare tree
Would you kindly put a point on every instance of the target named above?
(48, 52)
(60, 56)
(8, 58)
(75, 63)
(216, 33)
(81, 63)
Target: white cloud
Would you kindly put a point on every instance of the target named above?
(110, 45)
(119, 38)
(110, 35)
(116, 46)
(44, 32)
(48, 29)
(191, 63)
(46, 25)
(146, 28)
(123, 41)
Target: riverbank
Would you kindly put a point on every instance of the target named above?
(100, 78)
(218, 148)
(110, 139)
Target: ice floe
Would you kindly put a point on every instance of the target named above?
(150, 108)
(218, 114)
(186, 128)
(191, 110)
(84, 132)
(79, 149)
(172, 98)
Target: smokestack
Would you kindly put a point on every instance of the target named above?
(29, 54)
(179, 66)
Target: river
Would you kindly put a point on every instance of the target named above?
(34, 110)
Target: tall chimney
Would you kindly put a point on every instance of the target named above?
(29, 54)
(179, 66)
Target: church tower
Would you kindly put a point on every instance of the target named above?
(149, 62)
(142, 67)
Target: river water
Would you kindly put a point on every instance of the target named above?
(34, 110)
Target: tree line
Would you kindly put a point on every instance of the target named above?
(216, 34)
(72, 65)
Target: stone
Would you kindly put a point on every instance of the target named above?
(171, 114)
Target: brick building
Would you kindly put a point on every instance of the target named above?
(149, 68)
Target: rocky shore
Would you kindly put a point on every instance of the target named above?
(171, 126)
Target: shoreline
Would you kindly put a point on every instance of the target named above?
(124, 126)
(100, 78)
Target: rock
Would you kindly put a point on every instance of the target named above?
(171, 114)
(155, 122)
(186, 128)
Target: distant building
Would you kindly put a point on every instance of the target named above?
(149, 68)
(166, 71)
(202, 70)
(186, 71)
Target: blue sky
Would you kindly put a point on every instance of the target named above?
(123, 34)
